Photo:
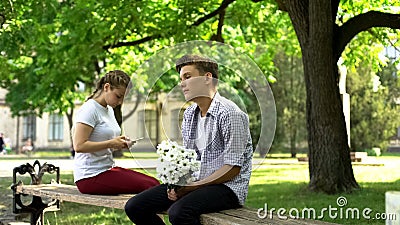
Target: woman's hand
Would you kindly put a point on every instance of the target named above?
(119, 142)
(130, 142)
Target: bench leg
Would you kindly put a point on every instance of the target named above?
(36, 208)
(37, 219)
(37, 211)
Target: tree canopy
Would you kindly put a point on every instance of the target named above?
(59, 44)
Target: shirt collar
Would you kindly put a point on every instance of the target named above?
(213, 109)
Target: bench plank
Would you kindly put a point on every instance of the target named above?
(71, 193)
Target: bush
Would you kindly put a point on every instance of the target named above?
(374, 152)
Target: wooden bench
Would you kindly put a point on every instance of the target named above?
(354, 157)
(358, 156)
(60, 192)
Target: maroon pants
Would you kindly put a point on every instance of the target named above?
(116, 181)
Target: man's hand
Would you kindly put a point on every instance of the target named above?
(176, 193)
(223, 174)
(172, 195)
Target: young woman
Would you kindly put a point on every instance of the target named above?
(96, 134)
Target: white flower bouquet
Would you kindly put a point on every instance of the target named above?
(176, 165)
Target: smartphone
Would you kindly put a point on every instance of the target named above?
(130, 142)
(138, 139)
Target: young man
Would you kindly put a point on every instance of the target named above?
(219, 131)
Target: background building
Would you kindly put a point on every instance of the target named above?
(155, 121)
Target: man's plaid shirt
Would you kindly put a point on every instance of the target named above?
(228, 141)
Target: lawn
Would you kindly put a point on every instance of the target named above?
(279, 186)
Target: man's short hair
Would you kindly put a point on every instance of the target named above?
(203, 64)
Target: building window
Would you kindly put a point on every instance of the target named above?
(148, 124)
(176, 124)
(56, 127)
(29, 127)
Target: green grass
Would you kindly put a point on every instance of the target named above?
(51, 154)
(42, 154)
(285, 186)
(277, 186)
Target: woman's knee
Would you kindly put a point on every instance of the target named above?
(151, 182)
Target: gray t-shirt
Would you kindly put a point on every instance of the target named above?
(105, 127)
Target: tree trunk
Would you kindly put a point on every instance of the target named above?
(293, 140)
(118, 117)
(292, 118)
(329, 158)
(70, 124)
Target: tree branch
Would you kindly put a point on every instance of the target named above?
(281, 5)
(138, 100)
(390, 41)
(361, 23)
(131, 43)
(2, 19)
(218, 36)
(299, 15)
(335, 7)
(220, 9)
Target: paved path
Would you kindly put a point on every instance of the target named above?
(66, 165)
(6, 167)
